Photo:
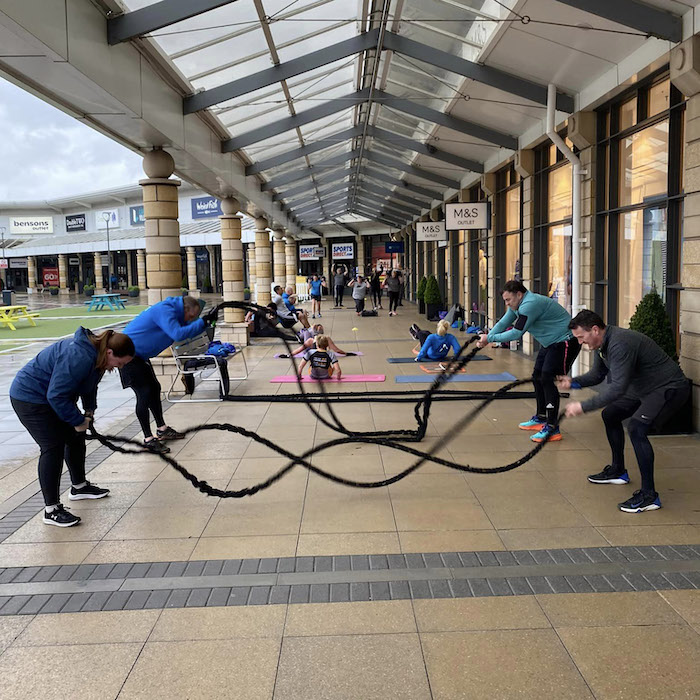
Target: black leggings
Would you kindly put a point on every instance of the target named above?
(551, 361)
(393, 300)
(139, 375)
(339, 291)
(360, 305)
(58, 441)
(376, 297)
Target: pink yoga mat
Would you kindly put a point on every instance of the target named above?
(291, 379)
(301, 357)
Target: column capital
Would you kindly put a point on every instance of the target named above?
(230, 206)
(278, 233)
(260, 223)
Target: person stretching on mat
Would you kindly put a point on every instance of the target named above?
(309, 341)
(644, 384)
(315, 291)
(153, 330)
(548, 323)
(44, 395)
(323, 361)
(435, 346)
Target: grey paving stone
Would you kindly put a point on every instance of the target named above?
(285, 565)
(195, 568)
(541, 556)
(14, 604)
(414, 561)
(519, 585)
(579, 584)
(299, 594)
(451, 560)
(684, 551)
(433, 561)
(460, 588)
(156, 570)
(487, 559)
(359, 591)
(231, 566)
(440, 588)
(613, 554)
(75, 602)
(46, 573)
(213, 567)
(34, 604)
(631, 553)
(156, 600)
(4, 599)
(137, 600)
(96, 601)
(65, 572)
(267, 566)
(340, 592)
(323, 563)
(279, 595)
(480, 587)
(505, 559)
(259, 595)
(619, 582)
(101, 572)
(83, 572)
(500, 586)
(56, 603)
(359, 562)
(117, 600)
(23, 576)
(176, 568)
(559, 584)
(539, 584)
(198, 598)
(524, 558)
(238, 595)
(560, 556)
(379, 590)
(138, 570)
(304, 564)
(399, 590)
(420, 589)
(379, 561)
(9, 575)
(320, 593)
(599, 583)
(693, 577)
(638, 582)
(218, 597)
(651, 553)
(178, 598)
(677, 580)
(658, 581)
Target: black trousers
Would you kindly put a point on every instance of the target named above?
(360, 305)
(423, 336)
(393, 300)
(551, 361)
(653, 411)
(376, 296)
(58, 441)
(339, 291)
(139, 376)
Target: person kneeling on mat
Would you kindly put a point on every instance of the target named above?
(435, 346)
(644, 384)
(153, 330)
(359, 291)
(44, 395)
(548, 323)
(323, 361)
(308, 338)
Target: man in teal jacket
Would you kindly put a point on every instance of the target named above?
(548, 322)
(153, 330)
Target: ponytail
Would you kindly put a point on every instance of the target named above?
(119, 343)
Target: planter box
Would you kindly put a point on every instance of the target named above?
(134, 293)
(88, 292)
(433, 312)
(54, 292)
(421, 306)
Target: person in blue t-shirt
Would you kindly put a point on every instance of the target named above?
(435, 346)
(548, 323)
(315, 284)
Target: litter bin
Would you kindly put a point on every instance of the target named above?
(8, 297)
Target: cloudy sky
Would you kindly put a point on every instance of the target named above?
(47, 154)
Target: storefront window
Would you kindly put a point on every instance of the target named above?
(628, 114)
(559, 186)
(559, 264)
(644, 165)
(513, 209)
(482, 267)
(642, 236)
(659, 97)
(512, 267)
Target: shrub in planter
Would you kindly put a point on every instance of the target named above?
(89, 290)
(54, 291)
(207, 287)
(651, 319)
(246, 294)
(420, 295)
(432, 298)
(134, 291)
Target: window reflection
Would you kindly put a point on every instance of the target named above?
(512, 268)
(659, 97)
(628, 114)
(513, 209)
(559, 205)
(642, 255)
(644, 164)
(559, 264)
(482, 264)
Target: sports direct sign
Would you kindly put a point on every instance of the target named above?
(342, 251)
(310, 252)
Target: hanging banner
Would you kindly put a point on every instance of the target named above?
(101, 220)
(393, 247)
(342, 251)
(431, 231)
(50, 276)
(463, 215)
(75, 222)
(31, 224)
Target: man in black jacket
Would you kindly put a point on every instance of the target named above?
(643, 384)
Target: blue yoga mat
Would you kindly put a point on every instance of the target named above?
(430, 378)
(406, 360)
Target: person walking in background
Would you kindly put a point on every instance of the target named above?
(339, 281)
(393, 285)
(360, 287)
(44, 395)
(315, 291)
(375, 284)
(402, 288)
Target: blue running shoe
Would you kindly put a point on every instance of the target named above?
(535, 423)
(547, 434)
(640, 502)
(610, 475)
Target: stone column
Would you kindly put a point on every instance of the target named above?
(131, 268)
(493, 308)
(263, 256)
(141, 269)
(280, 267)
(233, 329)
(99, 282)
(252, 276)
(31, 274)
(290, 250)
(62, 274)
(81, 269)
(192, 270)
(525, 165)
(361, 255)
(162, 228)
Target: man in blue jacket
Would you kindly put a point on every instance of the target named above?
(548, 322)
(155, 329)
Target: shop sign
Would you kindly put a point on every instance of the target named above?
(3, 264)
(393, 247)
(310, 252)
(202, 256)
(442, 244)
(18, 263)
(342, 251)
(136, 215)
(104, 260)
(113, 218)
(204, 207)
(31, 224)
(74, 261)
(431, 231)
(50, 276)
(75, 222)
(464, 215)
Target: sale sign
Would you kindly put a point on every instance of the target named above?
(50, 276)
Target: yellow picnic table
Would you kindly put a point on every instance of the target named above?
(10, 314)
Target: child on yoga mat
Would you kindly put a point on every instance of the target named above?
(324, 363)
(307, 338)
(435, 346)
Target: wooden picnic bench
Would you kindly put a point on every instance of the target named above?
(100, 301)
(9, 315)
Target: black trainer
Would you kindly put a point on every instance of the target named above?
(60, 517)
(169, 433)
(610, 475)
(414, 330)
(641, 501)
(156, 446)
(88, 491)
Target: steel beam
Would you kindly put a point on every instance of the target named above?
(334, 177)
(156, 16)
(636, 15)
(280, 72)
(388, 211)
(319, 205)
(336, 160)
(398, 206)
(402, 184)
(513, 84)
(374, 216)
(397, 194)
(373, 157)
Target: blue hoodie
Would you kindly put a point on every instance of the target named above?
(436, 347)
(160, 326)
(60, 374)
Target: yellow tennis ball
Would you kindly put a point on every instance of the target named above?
(356, 329)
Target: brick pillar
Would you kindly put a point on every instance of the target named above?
(141, 269)
(263, 258)
(99, 282)
(233, 329)
(162, 228)
(31, 274)
(279, 262)
(252, 276)
(192, 269)
(290, 250)
(62, 275)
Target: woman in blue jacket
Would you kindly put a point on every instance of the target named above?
(435, 346)
(44, 395)
(315, 291)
